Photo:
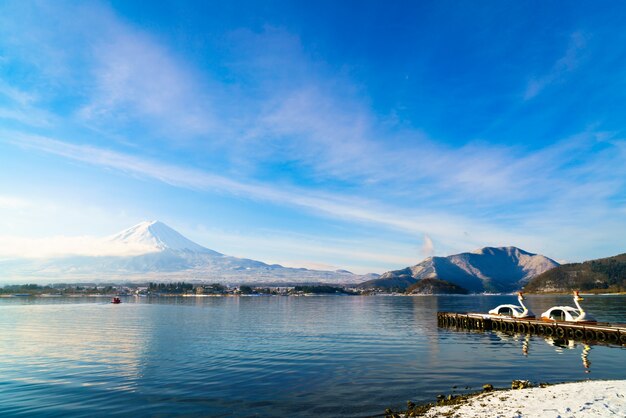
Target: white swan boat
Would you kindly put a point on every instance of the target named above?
(513, 311)
(568, 313)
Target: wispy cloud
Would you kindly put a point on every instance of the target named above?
(16, 95)
(322, 123)
(448, 229)
(568, 62)
(136, 77)
(106, 72)
(314, 119)
(21, 106)
(341, 206)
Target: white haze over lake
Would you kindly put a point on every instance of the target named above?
(62, 246)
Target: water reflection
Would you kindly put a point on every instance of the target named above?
(526, 345)
(559, 345)
(585, 357)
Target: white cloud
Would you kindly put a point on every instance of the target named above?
(314, 118)
(107, 72)
(428, 248)
(350, 208)
(137, 77)
(12, 202)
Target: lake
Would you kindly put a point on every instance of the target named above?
(271, 356)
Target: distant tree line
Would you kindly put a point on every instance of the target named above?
(177, 287)
(64, 289)
(32, 289)
(322, 289)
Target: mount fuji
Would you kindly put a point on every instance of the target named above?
(152, 251)
(159, 237)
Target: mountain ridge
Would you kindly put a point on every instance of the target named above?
(499, 269)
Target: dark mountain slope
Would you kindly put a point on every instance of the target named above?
(604, 274)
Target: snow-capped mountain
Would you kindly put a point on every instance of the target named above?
(154, 251)
(160, 237)
(501, 269)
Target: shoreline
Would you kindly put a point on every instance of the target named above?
(204, 295)
(589, 398)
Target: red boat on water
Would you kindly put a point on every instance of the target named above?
(116, 300)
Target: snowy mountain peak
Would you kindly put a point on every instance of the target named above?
(157, 235)
(501, 269)
(152, 251)
(494, 250)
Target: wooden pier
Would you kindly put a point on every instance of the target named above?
(587, 332)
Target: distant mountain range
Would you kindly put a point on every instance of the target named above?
(604, 275)
(152, 251)
(489, 269)
(162, 254)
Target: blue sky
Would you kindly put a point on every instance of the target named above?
(359, 135)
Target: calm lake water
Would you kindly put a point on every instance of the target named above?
(269, 356)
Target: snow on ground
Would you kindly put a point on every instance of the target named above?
(601, 398)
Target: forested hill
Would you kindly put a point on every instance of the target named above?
(604, 274)
(431, 286)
